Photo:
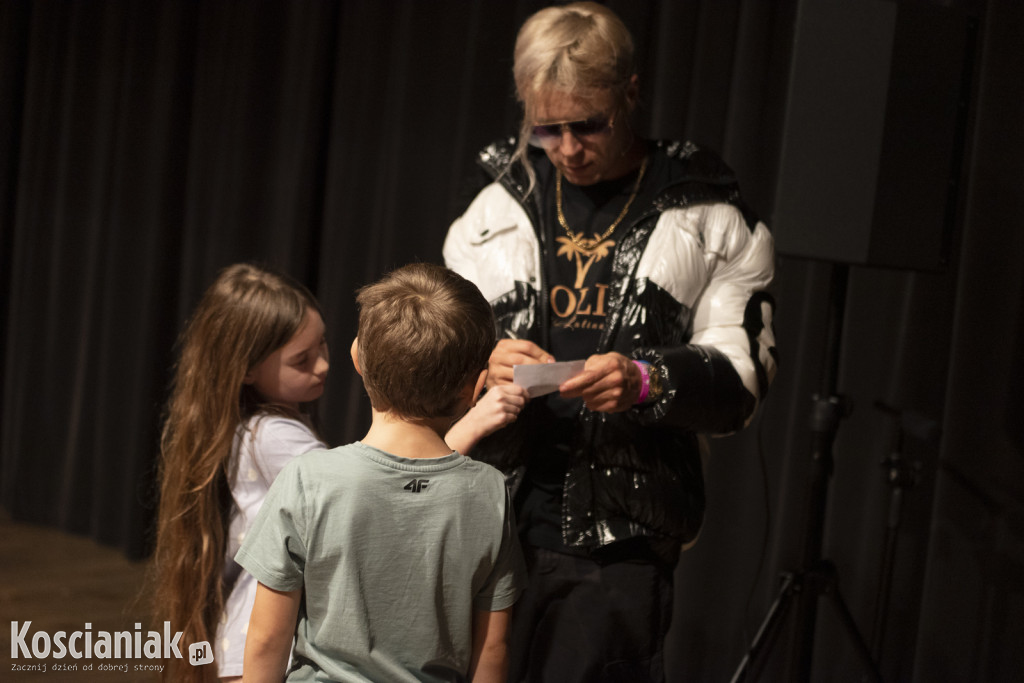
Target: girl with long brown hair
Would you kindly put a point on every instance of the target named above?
(253, 359)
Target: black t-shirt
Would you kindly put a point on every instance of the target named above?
(578, 283)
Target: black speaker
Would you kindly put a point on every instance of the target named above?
(874, 132)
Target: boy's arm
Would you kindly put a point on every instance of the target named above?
(497, 408)
(269, 639)
(489, 663)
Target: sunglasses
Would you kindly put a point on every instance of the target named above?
(549, 135)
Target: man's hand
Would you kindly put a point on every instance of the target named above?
(609, 383)
(509, 352)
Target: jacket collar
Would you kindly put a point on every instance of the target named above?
(699, 176)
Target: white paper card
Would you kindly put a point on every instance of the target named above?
(543, 378)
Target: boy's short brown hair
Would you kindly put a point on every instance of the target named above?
(425, 332)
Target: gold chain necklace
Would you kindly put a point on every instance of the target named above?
(586, 244)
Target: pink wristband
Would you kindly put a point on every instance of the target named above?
(645, 381)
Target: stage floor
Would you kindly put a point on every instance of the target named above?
(62, 582)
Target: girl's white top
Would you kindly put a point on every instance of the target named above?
(262, 447)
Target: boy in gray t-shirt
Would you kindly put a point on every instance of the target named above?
(393, 558)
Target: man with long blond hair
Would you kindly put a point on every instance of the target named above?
(640, 258)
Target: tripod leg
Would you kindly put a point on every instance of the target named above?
(850, 627)
(769, 625)
(885, 574)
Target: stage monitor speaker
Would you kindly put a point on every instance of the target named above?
(874, 130)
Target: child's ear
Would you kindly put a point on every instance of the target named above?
(471, 392)
(480, 382)
(354, 351)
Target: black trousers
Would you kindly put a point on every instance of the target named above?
(587, 621)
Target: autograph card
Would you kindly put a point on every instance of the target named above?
(544, 378)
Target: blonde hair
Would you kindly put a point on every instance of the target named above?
(245, 315)
(425, 332)
(576, 49)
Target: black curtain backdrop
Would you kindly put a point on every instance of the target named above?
(146, 144)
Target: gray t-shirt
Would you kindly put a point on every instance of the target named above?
(394, 554)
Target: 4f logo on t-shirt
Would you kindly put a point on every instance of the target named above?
(416, 485)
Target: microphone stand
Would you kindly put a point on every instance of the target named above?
(816, 576)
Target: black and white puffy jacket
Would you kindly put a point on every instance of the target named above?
(688, 294)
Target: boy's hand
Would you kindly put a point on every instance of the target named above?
(498, 407)
(609, 383)
(509, 352)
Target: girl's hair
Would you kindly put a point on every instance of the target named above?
(425, 332)
(245, 315)
(574, 49)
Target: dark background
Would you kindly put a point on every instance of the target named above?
(146, 144)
